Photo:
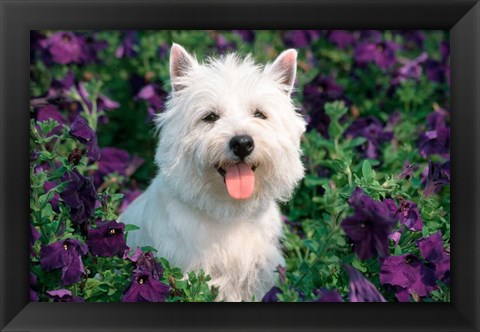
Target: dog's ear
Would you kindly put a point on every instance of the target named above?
(284, 69)
(180, 64)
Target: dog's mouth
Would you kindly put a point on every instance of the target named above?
(239, 179)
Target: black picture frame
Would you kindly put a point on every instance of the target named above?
(17, 17)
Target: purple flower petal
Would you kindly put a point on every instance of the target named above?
(144, 288)
(79, 195)
(361, 289)
(67, 256)
(271, 295)
(370, 225)
(409, 273)
(325, 295)
(63, 295)
(107, 239)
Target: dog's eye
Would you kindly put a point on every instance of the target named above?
(212, 117)
(260, 115)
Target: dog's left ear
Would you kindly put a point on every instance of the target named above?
(181, 63)
(284, 69)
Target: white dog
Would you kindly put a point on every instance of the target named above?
(229, 150)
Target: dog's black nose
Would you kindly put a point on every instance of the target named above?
(242, 145)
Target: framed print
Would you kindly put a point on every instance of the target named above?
(222, 152)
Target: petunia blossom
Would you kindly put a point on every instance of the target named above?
(431, 249)
(63, 295)
(107, 239)
(316, 93)
(65, 47)
(435, 176)
(370, 225)
(361, 289)
(326, 295)
(79, 195)
(64, 255)
(407, 213)
(382, 53)
(373, 130)
(128, 45)
(271, 295)
(409, 274)
(155, 97)
(300, 38)
(82, 131)
(115, 160)
(341, 38)
(145, 288)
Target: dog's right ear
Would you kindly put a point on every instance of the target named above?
(180, 64)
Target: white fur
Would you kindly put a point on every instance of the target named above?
(186, 213)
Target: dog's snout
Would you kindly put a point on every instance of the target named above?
(242, 145)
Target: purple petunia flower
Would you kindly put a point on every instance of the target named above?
(66, 255)
(438, 118)
(372, 129)
(383, 54)
(325, 295)
(63, 295)
(300, 38)
(439, 71)
(103, 102)
(435, 176)
(135, 255)
(247, 35)
(407, 213)
(107, 104)
(127, 47)
(435, 142)
(147, 262)
(396, 236)
(155, 97)
(33, 283)
(107, 239)
(373, 36)
(407, 171)
(115, 160)
(82, 131)
(413, 39)
(145, 288)
(93, 47)
(65, 47)
(79, 195)
(50, 112)
(316, 93)
(361, 289)
(223, 45)
(370, 225)
(271, 295)
(410, 69)
(409, 274)
(432, 251)
(341, 38)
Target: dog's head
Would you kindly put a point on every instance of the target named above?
(230, 136)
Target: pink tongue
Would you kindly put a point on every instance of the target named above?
(240, 181)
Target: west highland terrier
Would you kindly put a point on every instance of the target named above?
(229, 150)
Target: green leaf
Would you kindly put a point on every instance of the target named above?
(367, 171)
(131, 227)
(148, 249)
